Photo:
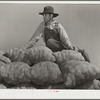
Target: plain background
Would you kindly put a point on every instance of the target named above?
(18, 23)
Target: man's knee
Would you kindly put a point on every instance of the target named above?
(51, 41)
(54, 45)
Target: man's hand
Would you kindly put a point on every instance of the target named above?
(31, 43)
(67, 44)
(70, 46)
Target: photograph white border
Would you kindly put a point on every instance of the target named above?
(49, 94)
(52, 2)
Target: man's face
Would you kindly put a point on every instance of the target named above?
(47, 17)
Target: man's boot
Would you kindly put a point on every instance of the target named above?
(83, 52)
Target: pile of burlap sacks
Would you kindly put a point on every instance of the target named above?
(40, 68)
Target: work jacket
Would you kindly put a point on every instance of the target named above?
(56, 31)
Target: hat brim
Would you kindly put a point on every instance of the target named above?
(54, 14)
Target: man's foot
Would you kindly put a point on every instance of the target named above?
(84, 54)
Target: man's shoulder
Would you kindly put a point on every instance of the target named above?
(55, 24)
(58, 24)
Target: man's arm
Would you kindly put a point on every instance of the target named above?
(38, 32)
(64, 38)
(35, 37)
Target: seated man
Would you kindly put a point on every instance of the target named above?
(52, 32)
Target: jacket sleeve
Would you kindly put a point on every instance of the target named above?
(38, 32)
(64, 37)
(35, 37)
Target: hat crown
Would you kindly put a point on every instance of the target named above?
(48, 9)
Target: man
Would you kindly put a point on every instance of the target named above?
(52, 32)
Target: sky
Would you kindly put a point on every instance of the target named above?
(18, 22)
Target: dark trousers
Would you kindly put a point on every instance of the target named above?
(54, 45)
(57, 46)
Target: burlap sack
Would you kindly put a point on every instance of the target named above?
(17, 54)
(45, 73)
(4, 59)
(39, 54)
(95, 84)
(76, 73)
(66, 55)
(14, 73)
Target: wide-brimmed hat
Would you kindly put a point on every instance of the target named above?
(49, 10)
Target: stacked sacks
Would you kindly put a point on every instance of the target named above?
(30, 56)
(14, 54)
(41, 74)
(66, 55)
(14, 73)
(2, 63)
(95, 84)
(39, 54)
(17, 54)
(4, 59)
(45, 73)
(41, 68)
(76, 73)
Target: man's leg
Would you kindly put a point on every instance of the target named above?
(57, 46)
(83, 53)
(54, 45)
